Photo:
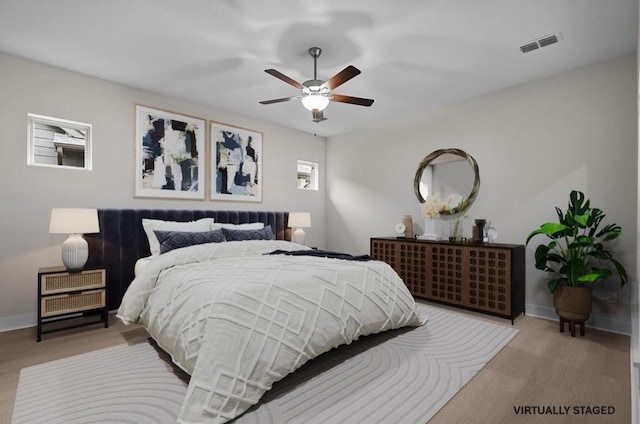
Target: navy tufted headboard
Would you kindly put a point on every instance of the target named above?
(122, 240)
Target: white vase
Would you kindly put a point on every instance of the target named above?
(430, 227)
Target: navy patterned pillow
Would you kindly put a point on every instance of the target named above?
(242, 235)
(170, 240)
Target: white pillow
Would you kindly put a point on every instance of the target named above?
(151, 225)
(250, 226)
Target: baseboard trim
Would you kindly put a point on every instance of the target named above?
(634, 353)
(17, 322)
(595, 321)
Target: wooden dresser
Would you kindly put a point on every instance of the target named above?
(482, 277)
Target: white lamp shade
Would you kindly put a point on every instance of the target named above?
(299, 219)
(74, 221)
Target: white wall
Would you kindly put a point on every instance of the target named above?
(28, 193)
(534, 143)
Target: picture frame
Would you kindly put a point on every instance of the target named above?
(170, 158)
(236, 160)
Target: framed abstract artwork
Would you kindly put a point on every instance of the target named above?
(236, 155)
(170, 158)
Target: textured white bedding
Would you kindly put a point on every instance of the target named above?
(238, 321)
(140, 264)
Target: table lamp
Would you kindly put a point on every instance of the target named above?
(299, 220)
(75, 222)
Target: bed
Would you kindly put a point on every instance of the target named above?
(238, 318)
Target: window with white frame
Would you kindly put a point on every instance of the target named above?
(307, 175)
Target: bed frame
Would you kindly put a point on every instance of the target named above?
(122, 240)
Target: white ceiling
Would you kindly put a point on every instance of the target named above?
(414, 55)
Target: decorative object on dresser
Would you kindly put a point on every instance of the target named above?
(446, 185)
(478, 233)
(407, 221)
(299, 221)
(576, 258)
(400, 229)
(456, 229)
(487, 278)
(65, 295)
(445, 173)
(75, 222)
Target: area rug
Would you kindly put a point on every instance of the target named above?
(401, 376)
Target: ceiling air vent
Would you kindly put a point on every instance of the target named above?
(528, 47)
(550, 39)
(545, 41)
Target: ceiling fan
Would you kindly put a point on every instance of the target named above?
(315, 94)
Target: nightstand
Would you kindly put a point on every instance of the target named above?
(71, 295)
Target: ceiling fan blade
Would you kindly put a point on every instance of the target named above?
(283, 99)
(284, 78)
(352, 100)
(317, 116)
(341, 77)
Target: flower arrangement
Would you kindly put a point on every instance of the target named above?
(434, 206)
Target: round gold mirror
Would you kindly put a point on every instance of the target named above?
(451, 174)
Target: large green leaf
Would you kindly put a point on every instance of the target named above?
(552, 229)
(593, 276)
(541, 254)
(549, 229)
(560, 215)
(577, 203)
(554, 283)
(581, 241)
(610, 232)
(621, 272)
(582, 219)
(595, 218)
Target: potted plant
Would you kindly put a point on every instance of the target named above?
(576, 257)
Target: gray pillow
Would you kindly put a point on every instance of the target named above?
(170, 240)
(242, 235)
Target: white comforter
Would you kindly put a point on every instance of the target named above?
(238, 321)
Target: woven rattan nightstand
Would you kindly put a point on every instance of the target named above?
(71, 295)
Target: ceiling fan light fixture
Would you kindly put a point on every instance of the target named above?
(316, 94)
(315, 101)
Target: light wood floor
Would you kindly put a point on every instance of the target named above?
(539, 367)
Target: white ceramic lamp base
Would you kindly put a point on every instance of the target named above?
(75, 252)
(298, 236)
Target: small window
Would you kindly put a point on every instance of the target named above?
(58, 143)
(307, 175)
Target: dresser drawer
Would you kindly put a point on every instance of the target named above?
(70, 303)
(65, 282)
